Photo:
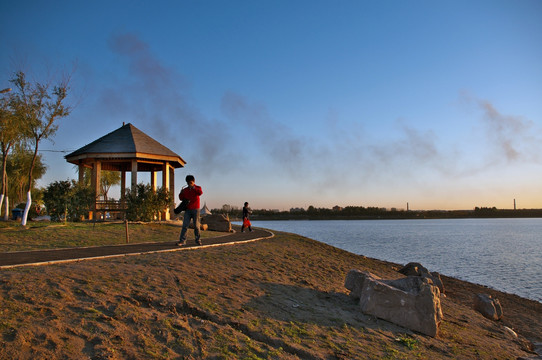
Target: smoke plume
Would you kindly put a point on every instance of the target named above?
(508, 133)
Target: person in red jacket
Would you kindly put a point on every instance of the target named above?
(192, 192)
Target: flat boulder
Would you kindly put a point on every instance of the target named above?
(488, 306)
(411, 302)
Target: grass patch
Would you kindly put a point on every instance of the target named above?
(55, 235)
(407, 341)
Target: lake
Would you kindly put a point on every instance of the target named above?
(504, 254)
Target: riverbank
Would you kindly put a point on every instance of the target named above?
(374, 213)
(503, 254)
(277, 298)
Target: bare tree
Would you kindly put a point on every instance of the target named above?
(38, 107)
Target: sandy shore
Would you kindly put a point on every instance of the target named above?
(282, 298)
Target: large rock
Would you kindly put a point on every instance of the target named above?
(354, 283)
(217, 222)
(488, 306)
(410, 302)
(417, 269)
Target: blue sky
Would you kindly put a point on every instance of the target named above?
(296, 103)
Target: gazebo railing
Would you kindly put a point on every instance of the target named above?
(110, 205)
(110, 209)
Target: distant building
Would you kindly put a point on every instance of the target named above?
(294, 210)
(337, 208)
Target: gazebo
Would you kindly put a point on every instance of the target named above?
(126, 149)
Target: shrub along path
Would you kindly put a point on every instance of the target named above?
(41, 257)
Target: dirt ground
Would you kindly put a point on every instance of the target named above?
(281, 298)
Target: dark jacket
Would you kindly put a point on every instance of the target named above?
(246, 212)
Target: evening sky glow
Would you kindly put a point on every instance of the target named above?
(296, 103)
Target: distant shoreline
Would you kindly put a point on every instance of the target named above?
(328, 214)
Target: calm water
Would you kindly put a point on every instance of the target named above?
(505, 254)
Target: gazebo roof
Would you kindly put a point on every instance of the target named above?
(125, 143)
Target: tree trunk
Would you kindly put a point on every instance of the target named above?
(6, 213)
(4, 181)
(28, 195)
(27, 208)
(5, 198)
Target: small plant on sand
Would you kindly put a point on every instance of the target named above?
(295, 332)
(409, 342)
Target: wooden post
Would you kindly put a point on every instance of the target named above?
(134, 174)
(81, 170)
(153, 179)
(127, 235)
(172, 188)
(165, 185)
(123, 189)
(96, 173)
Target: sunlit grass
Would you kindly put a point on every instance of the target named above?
(45, 235)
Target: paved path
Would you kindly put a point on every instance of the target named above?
(42, 257)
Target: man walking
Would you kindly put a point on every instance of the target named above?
(192, 193)
(246, 221)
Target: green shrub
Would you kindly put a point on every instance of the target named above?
(56, 199)
(81, 201)
(145, 204)
(70, 199)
